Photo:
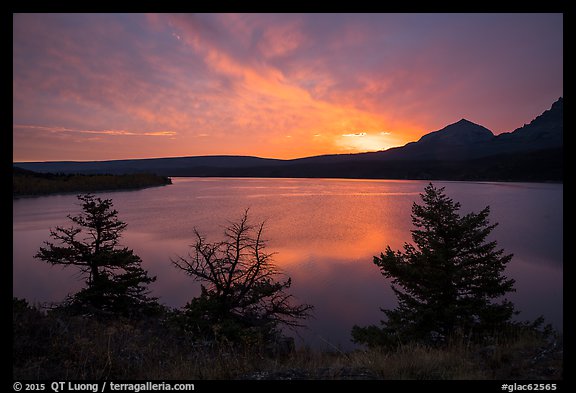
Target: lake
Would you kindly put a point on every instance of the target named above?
(324, 232)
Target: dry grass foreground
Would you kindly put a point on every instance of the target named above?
(52, 346)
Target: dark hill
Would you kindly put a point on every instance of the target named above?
(545, 131)
(460, 151)
(460, 140)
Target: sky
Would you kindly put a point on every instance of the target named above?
(121, 86)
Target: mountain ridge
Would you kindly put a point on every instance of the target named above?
(456, 151)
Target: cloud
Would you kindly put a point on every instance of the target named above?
(247, 80)
(355, 134)
(101, 132)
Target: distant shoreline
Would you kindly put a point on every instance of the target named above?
(26, 184)
(374, 178)
(545, 165)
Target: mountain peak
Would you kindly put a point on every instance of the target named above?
(558, 103)
(463, 131)
(546, 130)
(464, 121)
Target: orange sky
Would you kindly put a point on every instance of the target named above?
(115, 86)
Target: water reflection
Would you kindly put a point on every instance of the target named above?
(324, 232)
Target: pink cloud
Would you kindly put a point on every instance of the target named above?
(245, 81)
(102, 132)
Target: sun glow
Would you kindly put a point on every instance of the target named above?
(117, 86)
(366, 141)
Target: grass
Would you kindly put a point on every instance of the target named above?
(57, 346)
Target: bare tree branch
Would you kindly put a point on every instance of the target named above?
(240, 279)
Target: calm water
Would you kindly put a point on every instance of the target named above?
(325, 233)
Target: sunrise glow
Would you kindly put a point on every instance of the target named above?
(115, 86)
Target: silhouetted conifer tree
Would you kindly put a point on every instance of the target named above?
(449, 282)
(115, 280)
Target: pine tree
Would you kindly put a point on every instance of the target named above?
(449, 282)
(115, 281)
